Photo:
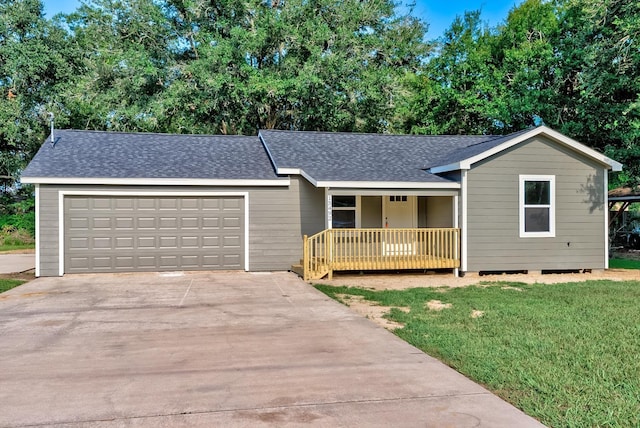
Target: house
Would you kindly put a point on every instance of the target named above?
(119, 202)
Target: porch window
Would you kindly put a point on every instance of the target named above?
(343, 212)
(537, 206)
(397, 199)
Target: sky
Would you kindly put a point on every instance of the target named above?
(439, 14)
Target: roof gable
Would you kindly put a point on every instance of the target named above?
(465, 158)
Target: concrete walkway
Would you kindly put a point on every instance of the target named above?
(15, 263)
(218, 349)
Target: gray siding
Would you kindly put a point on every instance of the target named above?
(275, 225)
(311, 208)
(493, 211)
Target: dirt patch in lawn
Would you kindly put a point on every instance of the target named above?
(401, 281)
(437, 305)
(25, 276)
(372, 310)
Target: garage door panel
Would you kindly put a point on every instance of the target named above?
(147, 242)
(101, 262)
(168, 242)
(232, 241)
(170, 262)
(78, 204)
(119, 234)
(147, 223)
(102, 243)
(102, 223)
(211, 261)
(232, 204)
(190, 204)
(168, 204)
(79, 223)
(232, 261)
(79, 243)
(189, 223)
(101, 204)
(212, 204)
(210, 223)
(124, 243)
(211, 241)
(124, 204)
(168, 223)
(124, 223)
(124, 262)
(189, 261)
(146, 262)
(231, 223)
(148, 204)
(189, 242)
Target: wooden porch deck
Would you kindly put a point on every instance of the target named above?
(379, 249)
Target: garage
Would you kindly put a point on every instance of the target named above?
(105, 233)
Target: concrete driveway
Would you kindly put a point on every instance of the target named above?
(17, 262)
(217, 349)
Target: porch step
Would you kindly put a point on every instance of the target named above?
(298, 269)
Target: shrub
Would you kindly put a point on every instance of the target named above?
(11, 235)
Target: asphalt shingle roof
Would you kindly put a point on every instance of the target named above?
(324, 156)
(98, 154)
(333, 156)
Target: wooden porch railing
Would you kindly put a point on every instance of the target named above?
(380, 249)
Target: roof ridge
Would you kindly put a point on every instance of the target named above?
(97, 131)
(380, 134)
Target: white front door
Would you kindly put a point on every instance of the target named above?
(400, 211)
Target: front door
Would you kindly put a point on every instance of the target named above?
(400, 211)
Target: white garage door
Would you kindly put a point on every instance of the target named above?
(128, 234)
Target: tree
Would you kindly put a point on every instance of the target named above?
(226, 66)
(599, 99)
(36, 61)
(525, 55)
(455, 92)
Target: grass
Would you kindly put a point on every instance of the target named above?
(8, 284)
(566, 354)
(624, 264)
(13, 247)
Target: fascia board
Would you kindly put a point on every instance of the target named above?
(154, 181)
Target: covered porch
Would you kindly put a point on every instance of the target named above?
(395, 229)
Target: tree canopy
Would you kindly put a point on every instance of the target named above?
(231, 67)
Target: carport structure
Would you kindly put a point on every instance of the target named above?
(619, 201)
(622, 197)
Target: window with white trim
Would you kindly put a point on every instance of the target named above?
(343, 212)
(537, 206)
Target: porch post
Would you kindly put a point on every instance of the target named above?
(463, 226)
(456, 222)
(327, 208)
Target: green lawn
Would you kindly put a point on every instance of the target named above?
(17, 247)
(624, 264)
(566, 354)
(8, 284)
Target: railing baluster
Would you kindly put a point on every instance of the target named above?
(380, 248)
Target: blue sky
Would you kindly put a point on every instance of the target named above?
(437, 13)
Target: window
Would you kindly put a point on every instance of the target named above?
(397, 199)
(343, 212)
(537, 206)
